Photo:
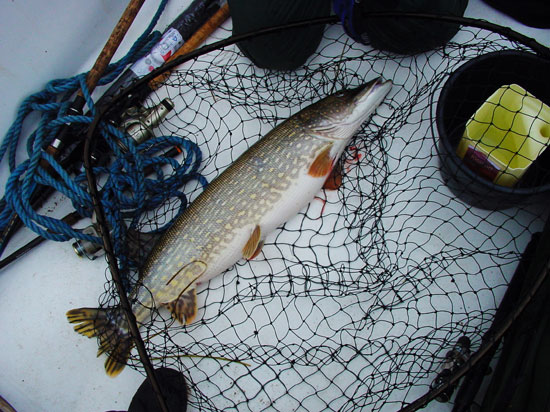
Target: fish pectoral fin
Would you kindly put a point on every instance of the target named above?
(250, 249)
(323, 162)
(334, 179)
(184, 277)
(184, 308)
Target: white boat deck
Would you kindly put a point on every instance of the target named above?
(44, 365)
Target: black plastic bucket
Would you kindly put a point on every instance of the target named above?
(463, 93)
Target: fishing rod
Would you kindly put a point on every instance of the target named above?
(178, 33)
(70, 219)
(175, 36)
(216, 14)
(200, 35)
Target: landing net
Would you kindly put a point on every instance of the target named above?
(354, 303)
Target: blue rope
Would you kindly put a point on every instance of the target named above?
(126, 194)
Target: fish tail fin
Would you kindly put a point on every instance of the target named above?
(110, 326)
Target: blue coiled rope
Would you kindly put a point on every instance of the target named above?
(126, 189)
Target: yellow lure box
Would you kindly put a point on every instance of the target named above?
(505, 135)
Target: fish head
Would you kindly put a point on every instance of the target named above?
(339, 116)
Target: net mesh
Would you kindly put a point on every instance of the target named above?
(354, 303)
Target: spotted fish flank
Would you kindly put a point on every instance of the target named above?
(267, 185)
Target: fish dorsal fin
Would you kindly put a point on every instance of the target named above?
(182, 279)
(184, 308)
(322, 164)
(250, 249)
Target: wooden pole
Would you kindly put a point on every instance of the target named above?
(113, 42)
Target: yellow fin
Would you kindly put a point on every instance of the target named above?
(110, 326)
(118, 358)
(251, 247)
(91, 322)
(185, 307)
(322, 165)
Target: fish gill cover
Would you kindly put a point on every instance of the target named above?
(354, 303)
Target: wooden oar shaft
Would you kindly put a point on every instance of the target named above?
(113, 42)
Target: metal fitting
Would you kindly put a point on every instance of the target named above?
(86, 248)
(139, 123)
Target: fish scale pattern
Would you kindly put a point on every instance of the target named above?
(354, 303)
(237, 199)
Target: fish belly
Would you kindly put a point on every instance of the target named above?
(291, 202)
(295, 199)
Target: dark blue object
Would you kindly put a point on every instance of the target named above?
(125, 174)
(398, 33)
(288, 49)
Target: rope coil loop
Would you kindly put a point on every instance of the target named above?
(126, 187)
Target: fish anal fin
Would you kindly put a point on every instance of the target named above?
(184, 308)
(334, 179)
(323, 162)
(250, 249)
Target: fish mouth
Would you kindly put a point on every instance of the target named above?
(378, 86)
(367, 98)
(361, 102)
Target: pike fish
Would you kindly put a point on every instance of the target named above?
(266, 186)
